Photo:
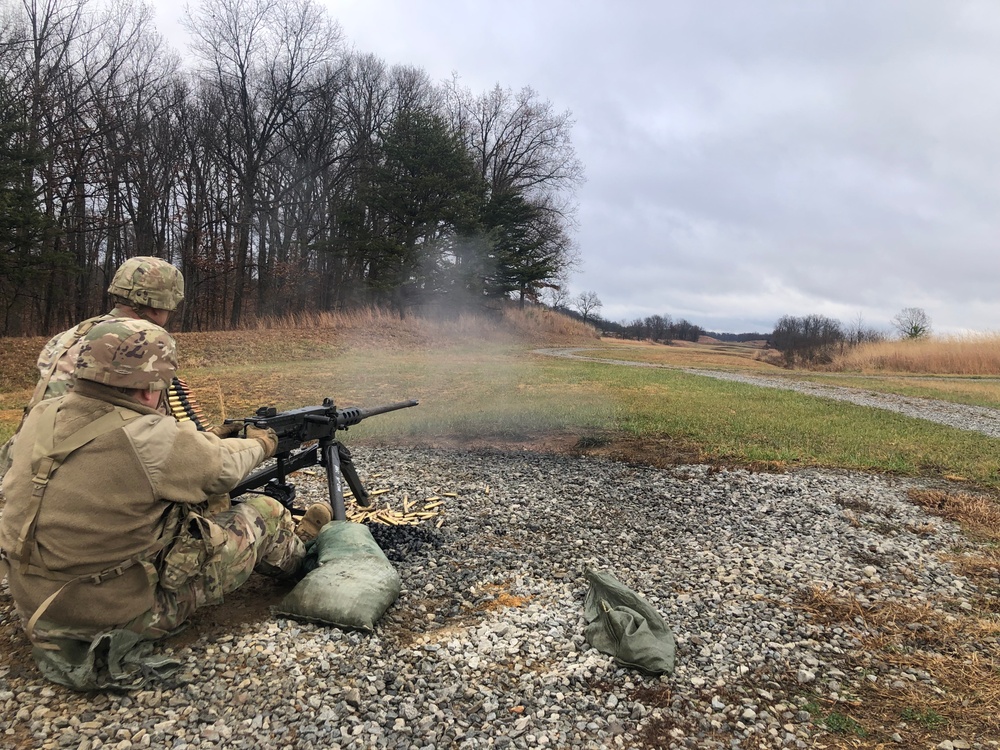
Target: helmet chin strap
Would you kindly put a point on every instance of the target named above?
(143, 312)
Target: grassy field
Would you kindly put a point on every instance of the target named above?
(953, 383)
(482, 384)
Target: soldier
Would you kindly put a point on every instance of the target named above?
(103, 537)
(142, 288)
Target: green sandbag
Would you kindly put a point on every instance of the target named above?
(353, 586)
(622, 624)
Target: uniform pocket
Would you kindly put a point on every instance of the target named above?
(197, 544)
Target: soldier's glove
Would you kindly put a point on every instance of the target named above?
(226, 430)
(266, 437)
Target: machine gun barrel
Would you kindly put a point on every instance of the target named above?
(352, 415)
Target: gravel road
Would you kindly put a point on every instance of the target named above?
(485, 647)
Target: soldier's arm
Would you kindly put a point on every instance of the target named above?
(188, 466)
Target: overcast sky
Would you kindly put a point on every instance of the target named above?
(748, 160)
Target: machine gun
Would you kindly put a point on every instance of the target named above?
(299, 426)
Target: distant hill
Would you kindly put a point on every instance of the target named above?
(760, 343)
(741, 337)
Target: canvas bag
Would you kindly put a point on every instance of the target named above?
(353, 585)
(622, 624)
(113, 660)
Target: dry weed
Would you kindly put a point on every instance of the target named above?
(922, 529)
(977, 354)
(958, 653)
(979, 515)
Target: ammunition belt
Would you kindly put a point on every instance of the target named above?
(183, 405)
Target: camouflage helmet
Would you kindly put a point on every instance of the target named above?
(128, 353)
(148, 281)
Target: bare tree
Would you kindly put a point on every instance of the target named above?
(519, 141)
(55, 36)
(912, 323)
(587, 303)
(636, 329)
(809, 339)
(558, 295)
(658, 326)
(521, 146)
(264, 58)
(283, 175)
(858, 332)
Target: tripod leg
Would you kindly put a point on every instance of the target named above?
(351, 475)
(334, 480)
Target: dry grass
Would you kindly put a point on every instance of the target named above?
(976, 354)
(535, 323)
(502, 598)
(722, 356)
(532, 323)
(979, 515)
(962, 697)
(312, 338)
(958, 649)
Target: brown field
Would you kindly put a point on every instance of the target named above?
(959, 355)
(710, 354)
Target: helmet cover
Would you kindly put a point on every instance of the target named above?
(148, 281)
(128, 353)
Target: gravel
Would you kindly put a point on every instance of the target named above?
(485, 647)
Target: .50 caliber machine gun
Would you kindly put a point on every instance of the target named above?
(299, 426)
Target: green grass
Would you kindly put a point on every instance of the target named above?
(840, 724)
(969, 390)
(482, 389)
(741, 422)
(928, 719)
(479, 391)
(834, 721)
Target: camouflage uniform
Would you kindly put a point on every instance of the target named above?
(260, 535)
(103, 528)
(58, 358)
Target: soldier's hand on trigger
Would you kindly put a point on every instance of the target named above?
(226, 430)
(266, 437)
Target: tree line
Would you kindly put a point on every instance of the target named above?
(801, 340)
(280, 170)
(816, 339)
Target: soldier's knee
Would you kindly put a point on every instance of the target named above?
(272, 516)
(268, 508)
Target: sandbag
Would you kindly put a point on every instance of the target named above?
(353, 585)
(622, 624)
(113, 660)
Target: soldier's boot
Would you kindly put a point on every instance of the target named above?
(316, 517)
